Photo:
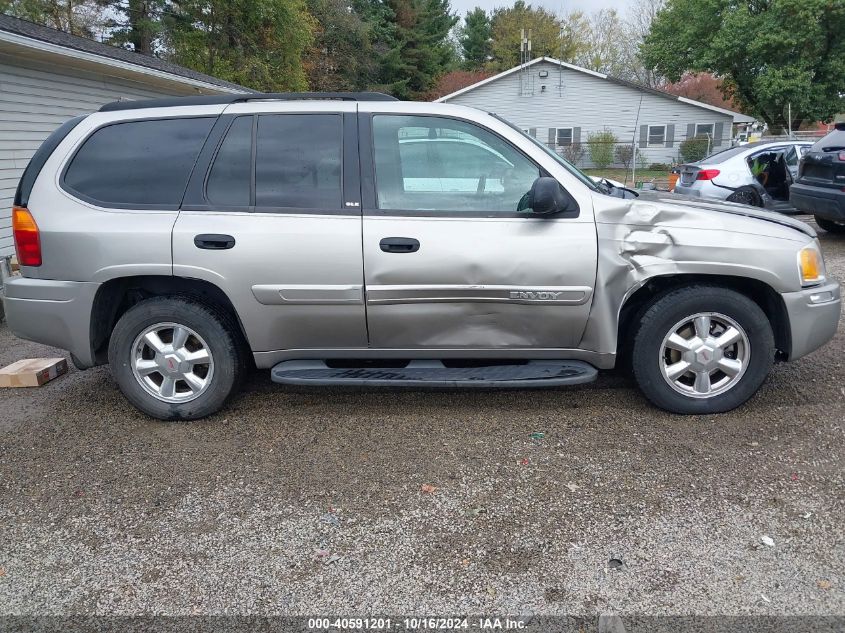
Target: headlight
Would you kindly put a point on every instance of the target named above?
(811, 266)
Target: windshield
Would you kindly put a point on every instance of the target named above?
(580, 175)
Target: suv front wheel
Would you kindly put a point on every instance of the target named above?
(702, 349)
(176, 359)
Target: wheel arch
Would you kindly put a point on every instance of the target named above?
(758, 291)
(115, 296)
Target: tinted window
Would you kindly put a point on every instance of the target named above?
(229, 179)
(298, 161)
(439, 164)
(138, 162)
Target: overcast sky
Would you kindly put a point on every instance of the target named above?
(558, 6)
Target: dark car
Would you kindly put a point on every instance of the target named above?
(820, 187)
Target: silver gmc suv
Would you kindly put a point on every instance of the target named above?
(351, 239)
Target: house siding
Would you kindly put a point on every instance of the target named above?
(35, 98)
(578, 100)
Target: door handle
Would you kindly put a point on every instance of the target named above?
(399, 245)
(214, 241)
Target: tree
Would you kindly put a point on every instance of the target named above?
(134, 23)
(636, 26)
(341, 57)
(771, 55)
(475, 39)
(77, 17)
(455, 80)
(702, 87)
(507, 25)
(421, 50)
(603, 50)
(256, 43)
(601, 147)
(624, 154)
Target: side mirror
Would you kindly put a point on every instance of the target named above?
(547, 196)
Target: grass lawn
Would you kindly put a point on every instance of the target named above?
(660, 177)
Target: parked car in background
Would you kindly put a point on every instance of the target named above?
(820, 186)
(758, 174)
(352, 239)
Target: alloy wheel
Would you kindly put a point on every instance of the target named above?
(172, 362)
(704, 355)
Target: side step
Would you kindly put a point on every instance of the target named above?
(433, 373)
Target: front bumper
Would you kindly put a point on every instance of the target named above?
(55, 313)
(824, 202)
(813, 317)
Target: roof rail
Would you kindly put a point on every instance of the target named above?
(168, 102)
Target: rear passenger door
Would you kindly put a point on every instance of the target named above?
(272, 217)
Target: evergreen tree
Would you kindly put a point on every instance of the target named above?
(136, 23)
(475, 39)
(256, 43)
(341, 57)
(421, 49)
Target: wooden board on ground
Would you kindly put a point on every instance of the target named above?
(32, 372)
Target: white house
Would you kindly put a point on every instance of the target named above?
(562, 104)
(48, 76)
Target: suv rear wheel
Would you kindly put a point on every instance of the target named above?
(702, 349)
(829, 225)
(176, 359)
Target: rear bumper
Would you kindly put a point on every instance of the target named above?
(813, 317)
(55, 313)
(824, 202)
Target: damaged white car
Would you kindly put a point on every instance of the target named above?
(351, 239)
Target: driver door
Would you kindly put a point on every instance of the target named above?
(452, 259)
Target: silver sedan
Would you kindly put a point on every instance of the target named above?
(758, 174)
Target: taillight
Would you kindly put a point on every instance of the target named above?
(707, 174)
(27, 241)
(842, 156)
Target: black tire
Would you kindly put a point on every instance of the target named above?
(673, 307)
(829, 225)
(746, 195)
(218, 331)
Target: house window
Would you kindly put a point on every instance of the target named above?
(656, 135)
(564, 136)
(702, 129)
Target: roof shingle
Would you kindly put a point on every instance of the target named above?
(24, 28)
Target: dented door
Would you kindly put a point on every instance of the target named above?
(459, 266)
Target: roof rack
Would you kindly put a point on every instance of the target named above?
(243, 97)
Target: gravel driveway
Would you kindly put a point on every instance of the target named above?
(295, 501)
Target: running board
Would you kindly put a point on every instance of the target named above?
(433, 373)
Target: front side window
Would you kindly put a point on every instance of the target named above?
(138, 163)
(564, 136)
(439, 164)
(656, 135)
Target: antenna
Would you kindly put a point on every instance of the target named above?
(526, 81)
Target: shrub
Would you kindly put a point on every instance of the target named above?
(624, 155)
(574, 152)
(694, 149)
(659, 167)
(601, 148)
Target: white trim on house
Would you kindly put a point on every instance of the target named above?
(738, 117)
(47, 47)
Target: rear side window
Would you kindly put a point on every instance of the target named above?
(229, 179)
(138, 163)
(298, 161)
